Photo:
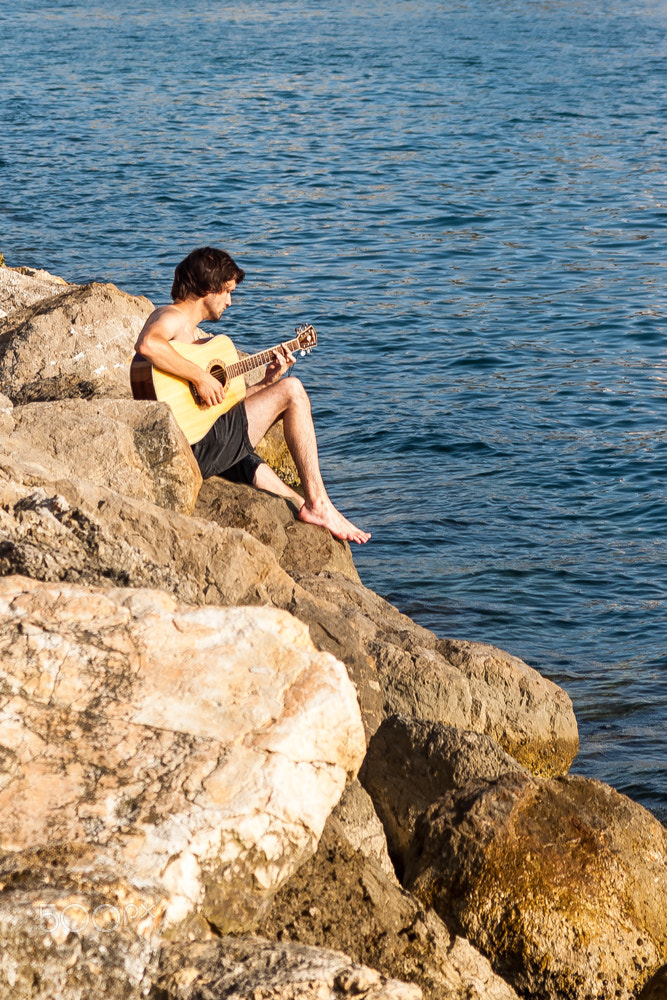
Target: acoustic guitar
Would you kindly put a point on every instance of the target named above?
(217, 356)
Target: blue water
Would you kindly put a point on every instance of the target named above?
(468, 200)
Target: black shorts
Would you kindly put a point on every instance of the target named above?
(225, 449)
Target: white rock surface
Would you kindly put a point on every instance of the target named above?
(202, 748)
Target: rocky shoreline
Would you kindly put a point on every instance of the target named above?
(231, 770)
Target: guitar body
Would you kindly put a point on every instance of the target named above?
(216, 356)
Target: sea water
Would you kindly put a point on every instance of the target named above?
(467, 199)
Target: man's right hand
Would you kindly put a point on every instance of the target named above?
(210, 391)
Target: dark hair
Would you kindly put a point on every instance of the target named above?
(204, 270)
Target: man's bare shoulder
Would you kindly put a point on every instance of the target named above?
(165, 323)
(166, 320)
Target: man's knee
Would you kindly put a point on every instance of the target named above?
(295, 390)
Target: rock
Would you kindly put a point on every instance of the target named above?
(506, 693)
(6, 416)
(23, 286)
(343, 900)
(136, 449)
(561, 883)
(656, 987)
(361, 826)
(263, 970)
(70, 530)
(76, 344)
(410, 764)
(333, 632)
(299, 548)
(467, 685)
(202, 748)
(71, 932)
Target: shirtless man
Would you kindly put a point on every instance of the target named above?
(202, 290)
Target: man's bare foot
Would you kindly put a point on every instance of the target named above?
(325, 515)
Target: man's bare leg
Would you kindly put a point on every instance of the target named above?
(289, 400)
(266, 479)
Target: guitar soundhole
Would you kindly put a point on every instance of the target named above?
(219, 372)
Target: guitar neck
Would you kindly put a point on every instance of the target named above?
(253, 361)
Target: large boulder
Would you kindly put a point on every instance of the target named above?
(506, 694)
(561, 883)
(76, 344)
(24, 286)
(201, 748)
(467, 685)
(342, 899)
(136, 449)
(410, 764)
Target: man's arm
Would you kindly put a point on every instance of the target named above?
(154, 344)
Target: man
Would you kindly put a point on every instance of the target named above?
(202, 290)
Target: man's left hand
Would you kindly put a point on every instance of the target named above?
(283, 359)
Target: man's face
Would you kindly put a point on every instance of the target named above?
(217, 302)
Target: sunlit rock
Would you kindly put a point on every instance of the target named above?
(22, 287)
(561, 883)
(77, 344)
(202, 748)
(136, 449)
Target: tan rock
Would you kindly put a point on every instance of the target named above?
(203, 748)
(263, 970)
(68, 529)
(300, 548)
(72, 930)
(6, 416)
(71, 530)
(561, 883)
(342, 899)
(361, 826)
(24, 286)
(530, 716)
(332, 631)
(76, 344)
(467, 685)
(136, 449)
(411, 763)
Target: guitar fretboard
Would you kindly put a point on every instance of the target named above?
(253, 361)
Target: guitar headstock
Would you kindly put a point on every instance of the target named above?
(306, 336)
